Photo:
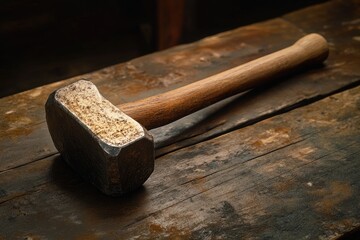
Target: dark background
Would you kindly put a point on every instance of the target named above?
(46, 41)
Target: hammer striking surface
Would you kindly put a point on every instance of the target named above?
(111, 147)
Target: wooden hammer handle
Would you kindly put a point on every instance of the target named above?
(159, 110)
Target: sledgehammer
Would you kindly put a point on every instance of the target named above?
(111, 147)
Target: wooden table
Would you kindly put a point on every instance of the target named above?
(278, 162)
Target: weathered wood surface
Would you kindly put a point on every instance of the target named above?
(294, 175)
(291, 176)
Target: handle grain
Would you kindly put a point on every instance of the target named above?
(158, 110)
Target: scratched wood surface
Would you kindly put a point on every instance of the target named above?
(228, 171)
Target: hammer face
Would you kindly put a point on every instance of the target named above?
(115, 160)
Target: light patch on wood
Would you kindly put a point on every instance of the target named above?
(323, 122)
(302, 153)
(356, 38)
(273, 135)
(102, 118)
(9, 112)
(75, 219)
(212, 39)
(271, 167)
(36, 92)
(351, 22)
(19, 121)
(196, 164)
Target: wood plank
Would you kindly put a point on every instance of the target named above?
(22, 115)
(338, 22)
(262, 180)
(294, 175)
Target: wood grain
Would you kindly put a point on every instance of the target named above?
(278, 166)
(162, 109)
(291, 176)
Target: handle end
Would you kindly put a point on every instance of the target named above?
(316, 44)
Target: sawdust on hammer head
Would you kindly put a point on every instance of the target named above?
(102, 118)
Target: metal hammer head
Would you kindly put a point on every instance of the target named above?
(104, 145)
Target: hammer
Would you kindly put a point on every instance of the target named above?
(110, 146)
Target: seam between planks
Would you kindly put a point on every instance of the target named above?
(30, 162)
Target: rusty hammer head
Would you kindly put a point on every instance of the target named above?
(103, 144)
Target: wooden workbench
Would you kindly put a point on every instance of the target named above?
(278, 162)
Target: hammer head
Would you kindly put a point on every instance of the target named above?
(101, 143)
